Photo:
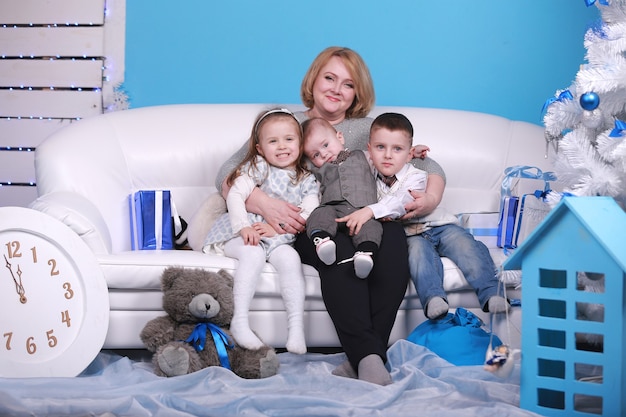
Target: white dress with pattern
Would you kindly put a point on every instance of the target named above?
(277, 183)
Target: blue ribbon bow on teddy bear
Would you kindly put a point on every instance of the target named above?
(197, 339)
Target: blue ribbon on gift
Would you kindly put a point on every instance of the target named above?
(525, 171)
(482, 231)
(541, 194)
(620, 126)
(565, 95)
(591, 2)
(197, 338)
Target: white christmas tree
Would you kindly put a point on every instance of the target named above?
(585, 124)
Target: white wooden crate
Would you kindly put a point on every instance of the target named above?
(53, 72)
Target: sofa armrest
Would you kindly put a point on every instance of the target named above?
(80, 214)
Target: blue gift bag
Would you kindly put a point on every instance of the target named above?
(151, 220)
(458, 338)
(508, 222)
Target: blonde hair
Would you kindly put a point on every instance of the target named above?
(363, 86)
(252, 153)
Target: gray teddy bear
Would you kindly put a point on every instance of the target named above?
(194, 334)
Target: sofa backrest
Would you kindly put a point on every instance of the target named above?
(181, 147)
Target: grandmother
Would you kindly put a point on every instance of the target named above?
(338, 87)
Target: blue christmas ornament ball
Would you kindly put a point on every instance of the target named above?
(589, 101)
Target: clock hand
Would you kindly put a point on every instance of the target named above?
(19, 288)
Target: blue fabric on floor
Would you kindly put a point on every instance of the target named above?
(423, 384)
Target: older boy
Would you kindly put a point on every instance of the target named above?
(429, 237)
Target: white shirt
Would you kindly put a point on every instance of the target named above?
(391, 200)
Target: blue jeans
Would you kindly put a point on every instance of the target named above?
(470, 255)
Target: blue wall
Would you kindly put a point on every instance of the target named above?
(494, 56)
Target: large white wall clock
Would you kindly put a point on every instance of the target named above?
(54, 302)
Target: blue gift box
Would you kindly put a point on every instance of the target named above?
(151, 220)
(511, 205)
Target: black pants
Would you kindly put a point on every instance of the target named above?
(363, 310)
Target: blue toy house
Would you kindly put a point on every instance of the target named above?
(574, 310)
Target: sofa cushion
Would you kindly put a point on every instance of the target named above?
(202, 220)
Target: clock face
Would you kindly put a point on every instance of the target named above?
(38, 273)
(53, 299)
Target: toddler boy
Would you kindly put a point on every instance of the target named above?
(346, 184)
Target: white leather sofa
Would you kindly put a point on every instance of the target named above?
(85, 173)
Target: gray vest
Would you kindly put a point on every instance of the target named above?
(350, 181)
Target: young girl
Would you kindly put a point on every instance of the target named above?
(274, 163)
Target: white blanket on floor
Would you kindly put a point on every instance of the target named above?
(423, 384)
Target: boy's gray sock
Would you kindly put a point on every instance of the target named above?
(497, 304)
(436, 308)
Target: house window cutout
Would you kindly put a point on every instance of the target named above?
(591, 404)
(590, 282)
(551, 399)
(549, 278)
(590, 312)
(552, 308)
(590, 342)
(585, 372)
(551, 368)
(552, 338)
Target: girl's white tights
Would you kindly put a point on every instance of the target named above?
(287, 263)
(251, 263)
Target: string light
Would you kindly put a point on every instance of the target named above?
(17, 184)
(16, 148)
